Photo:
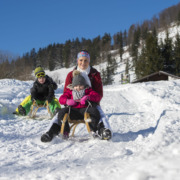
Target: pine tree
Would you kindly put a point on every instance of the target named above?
(127, 67)
(104, 77)
(121, 50)
(125, 43)
(150, 60)
(33, 57)
(96, 46)
(177, 55)
(178, 18)
(142, 63)
(167, 54)
(110, 70)
(135, 45)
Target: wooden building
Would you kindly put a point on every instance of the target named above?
(157, 76)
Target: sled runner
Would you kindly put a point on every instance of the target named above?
(35, 107)
(74, 123)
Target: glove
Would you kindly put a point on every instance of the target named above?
(71, 102)
(84, 99)
(49, 99)
(33, 98)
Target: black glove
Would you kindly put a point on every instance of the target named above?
(33, 98)
(49, 99)
(55, 86)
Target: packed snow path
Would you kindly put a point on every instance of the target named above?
(145, 119)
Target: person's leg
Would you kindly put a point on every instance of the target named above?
(24, 107)
(103, 118)
(54, 106)
(76, 114)
(55, 127)
(53, 131)
(60, 117)
(104, 129)
(95, 117)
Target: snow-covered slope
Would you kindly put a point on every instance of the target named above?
(145, 119)
(59, 76)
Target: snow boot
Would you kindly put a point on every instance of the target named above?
(48, 136)
(104, 133)
(21, 110)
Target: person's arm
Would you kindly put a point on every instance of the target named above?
(68, 81)
(97, 84)
(94, 96)
(63, 98)
(51, 93)
(33, 92)
(52, 82)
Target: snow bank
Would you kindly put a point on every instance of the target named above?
(144, 117)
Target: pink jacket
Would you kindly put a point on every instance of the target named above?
(94, 77)
(93, 96)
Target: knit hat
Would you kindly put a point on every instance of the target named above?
(83, 53)
(78, 79)
(39, 72)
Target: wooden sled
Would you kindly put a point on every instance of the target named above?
(35, 107)
(73, 123)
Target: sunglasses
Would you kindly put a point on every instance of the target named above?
(40, 75)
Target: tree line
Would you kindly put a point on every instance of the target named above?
(154, 56)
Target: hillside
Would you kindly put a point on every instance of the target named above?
(59, 74)
(145, 119)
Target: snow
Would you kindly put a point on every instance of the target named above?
(145, 119)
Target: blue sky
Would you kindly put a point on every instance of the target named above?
(27, 24)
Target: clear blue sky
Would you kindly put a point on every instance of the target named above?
(27, 24)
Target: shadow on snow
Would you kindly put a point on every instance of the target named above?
(131, 136)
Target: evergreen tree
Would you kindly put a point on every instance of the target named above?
(121, 50)
(178, 18)
(177, 55)
(96, 47)
(127, 67)
(39, 60)
(167, 54)
(110, 70)
(106, 42)
(51, 58)
(104, 77)
(150, 60)
(135, 45)
(125, 43)
(33, 57)
(59, 61)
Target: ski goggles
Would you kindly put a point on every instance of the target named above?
(40, 75)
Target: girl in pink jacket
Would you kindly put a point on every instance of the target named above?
(81, 98)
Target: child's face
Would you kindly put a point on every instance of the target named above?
(41, 80)
(83, 63)
(79, 87)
